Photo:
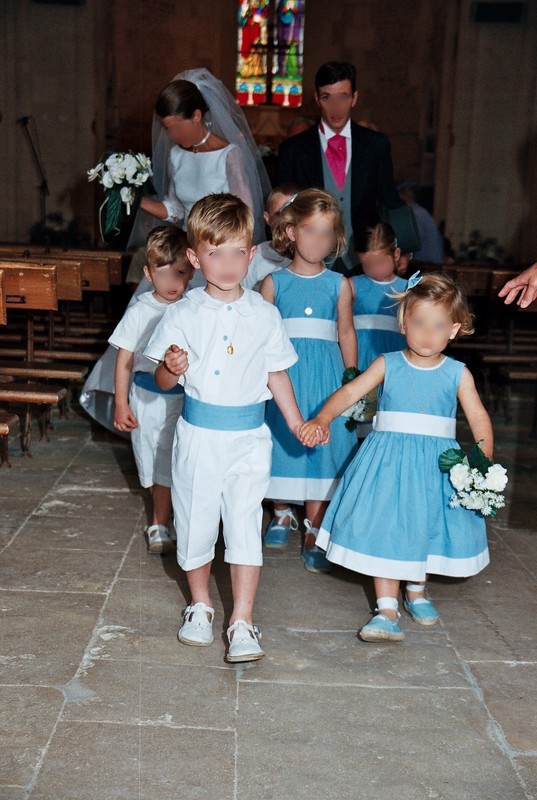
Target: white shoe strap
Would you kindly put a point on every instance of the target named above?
(387, 602)
(415, 587)
(309, 527)
(282, 513)
(157, 528)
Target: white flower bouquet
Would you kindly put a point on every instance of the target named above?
(478, 482)
(364, 409)
(125, 177)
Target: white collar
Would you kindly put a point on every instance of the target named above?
(327, 132)
(245, 305)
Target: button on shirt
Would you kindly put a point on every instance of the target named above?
(326, 133)
(205, 328)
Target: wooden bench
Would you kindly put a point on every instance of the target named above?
(31, 286)
(528, 375)
(8, 423)
(3, 316)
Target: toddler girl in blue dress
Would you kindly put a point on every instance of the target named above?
(390, 516)
(374, 311)
(316, 307)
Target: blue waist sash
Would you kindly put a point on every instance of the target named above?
(223, 418)
(146, 380)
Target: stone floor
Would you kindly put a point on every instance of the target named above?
(98, 700)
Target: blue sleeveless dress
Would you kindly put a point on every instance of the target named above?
(390, 515)
(300, 473)
(375, 318)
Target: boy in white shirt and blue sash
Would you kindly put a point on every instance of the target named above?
(229, 349)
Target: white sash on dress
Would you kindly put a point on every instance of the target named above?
(406, 422)
(311, 328)
(376, 322)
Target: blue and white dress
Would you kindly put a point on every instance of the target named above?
(390, 516)
(300, 473)
(375, 318)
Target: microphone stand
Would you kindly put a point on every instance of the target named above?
(43, 187)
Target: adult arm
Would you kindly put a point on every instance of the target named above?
(524, 285)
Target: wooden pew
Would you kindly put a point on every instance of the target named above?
(96, 264)
(31, 286)
(8, 423)
(3, 316)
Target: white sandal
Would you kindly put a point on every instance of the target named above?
(159, 540)
(243, 642)
(197, 628)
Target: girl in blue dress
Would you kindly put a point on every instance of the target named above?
(316, 306)
(390, 516)
(374, 312)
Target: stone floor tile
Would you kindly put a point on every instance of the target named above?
(509, 693)
(527, 766)
(27, 718)
(140, 622)
(105, 503)
(136, 691)
(44, 635)
(124, 762)
(424, 659)
(359, 744)
(483, 630)
(338, 601)
(75, 534)
(58, 570)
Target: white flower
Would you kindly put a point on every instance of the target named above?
(459, 475)
(95, 172)
(496, 478)
(145, 163)
(107, 180)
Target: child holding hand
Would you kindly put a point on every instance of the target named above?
(143, 409)
(390, 516)
(230, 349)
(316, 306)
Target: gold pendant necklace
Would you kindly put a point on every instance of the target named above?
(229, 338)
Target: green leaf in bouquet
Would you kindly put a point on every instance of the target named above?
(349, 375)
(449, 458)
(113, 211)
(478, 460)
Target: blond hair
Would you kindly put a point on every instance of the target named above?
(304, 205)
(165, 245)
(441, 289)
(379, 239)
(219, 218)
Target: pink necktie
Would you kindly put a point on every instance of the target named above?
(336, 155)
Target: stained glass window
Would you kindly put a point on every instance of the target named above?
(270, 52)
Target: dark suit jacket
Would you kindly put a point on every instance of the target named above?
(300, 161)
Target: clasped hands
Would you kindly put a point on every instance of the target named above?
(312, 433)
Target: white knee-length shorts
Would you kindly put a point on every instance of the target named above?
(219, 474)
(152, 440)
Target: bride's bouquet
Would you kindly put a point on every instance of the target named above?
(478, 482)
(125, 177)
(364, 409)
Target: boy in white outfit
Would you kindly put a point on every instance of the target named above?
(148, 412)
(230, 349)
(266, 260)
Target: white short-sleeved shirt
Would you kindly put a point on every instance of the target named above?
(136, 327)
(265, 261)
(205, 328)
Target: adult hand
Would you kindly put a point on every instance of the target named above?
(525, 284)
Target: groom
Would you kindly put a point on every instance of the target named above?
(352, 162)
